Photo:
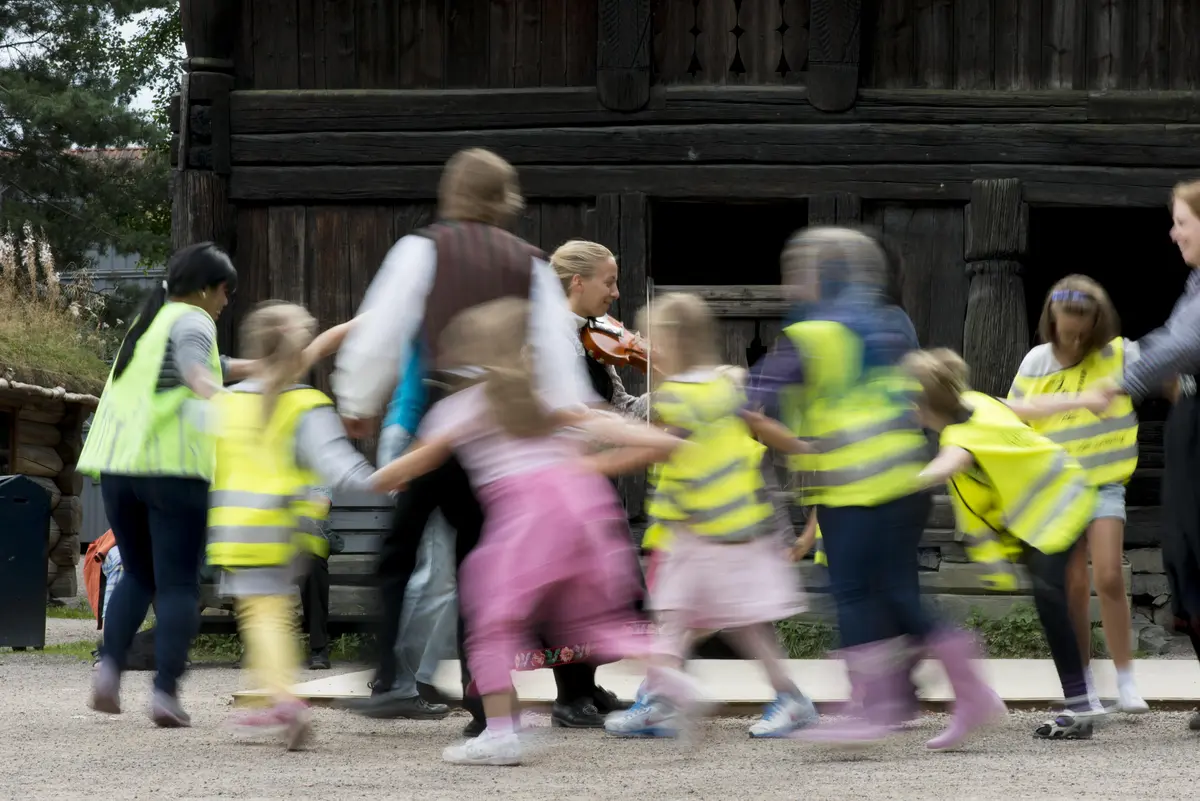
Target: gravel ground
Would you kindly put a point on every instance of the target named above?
(53, 746)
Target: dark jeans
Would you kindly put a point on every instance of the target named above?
(448, 490)
(314, 598)
(872, 552)
(1049, 575)
(1181, 511)
(160, 526)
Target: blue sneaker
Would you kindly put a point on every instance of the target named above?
(648, 717)
(787, 714)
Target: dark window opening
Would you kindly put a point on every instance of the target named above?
(8, 440)
(725, 244)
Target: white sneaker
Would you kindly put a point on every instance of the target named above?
(649, 717)
(787, 714)
(488, 748)
(1129, 701)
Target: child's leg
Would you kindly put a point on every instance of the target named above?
(1106, 539)
(791, 710)
(267, 626)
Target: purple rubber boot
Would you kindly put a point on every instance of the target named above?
(976, 705)
(875, 685)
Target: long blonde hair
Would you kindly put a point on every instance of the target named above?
(491, 337)
(685, 325)
(479, 186)
(578, 257)
(942, 374)
(275, 335)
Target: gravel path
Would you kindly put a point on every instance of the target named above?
(53, 746)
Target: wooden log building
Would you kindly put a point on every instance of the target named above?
(1000, 144)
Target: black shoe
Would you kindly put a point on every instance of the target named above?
(606, 702)
(319, 660)
(389, 705)
(431, 694)
(581, 714)
(474, 728)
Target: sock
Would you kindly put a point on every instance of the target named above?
(1093, 698)
(502, 725)
(1125, 677)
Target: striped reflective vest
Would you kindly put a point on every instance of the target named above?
(1105, 445)
(862, 423)
(259, 495)
(139, 431)
(1023, 488)
(712, 484)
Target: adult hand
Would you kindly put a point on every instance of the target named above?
(1095, 402)
(804, 543)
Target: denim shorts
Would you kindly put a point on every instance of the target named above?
(1110, 501)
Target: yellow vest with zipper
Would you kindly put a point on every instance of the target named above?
(862, 422)
(259, 495)
(712, 484)
(1105, 445)
(1023, 488)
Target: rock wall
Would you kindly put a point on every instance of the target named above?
(49, 440)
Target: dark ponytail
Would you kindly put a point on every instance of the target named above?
(191, 269)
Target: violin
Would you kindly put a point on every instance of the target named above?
(610, 342)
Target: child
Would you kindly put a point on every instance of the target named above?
(1081, 347)
(274, 441)
(1016, 494)
(553, 547)
(724, 567)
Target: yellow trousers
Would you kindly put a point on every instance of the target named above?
(267, 624)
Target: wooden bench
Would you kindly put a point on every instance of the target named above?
(359, 520)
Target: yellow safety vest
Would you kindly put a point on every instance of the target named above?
(1105, 445)
(312, 510)
(259, 494)
(862, 423)
(713, 484)
(1022, 487)
(661, 511)
(139, 431)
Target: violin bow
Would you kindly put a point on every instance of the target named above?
(649, 346)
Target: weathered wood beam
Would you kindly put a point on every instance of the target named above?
(623, 55)
(1044, 184)
(996, 330)
(835, 208)
(284, 111)
(738, 300)
(1136, 145)
(833, 53)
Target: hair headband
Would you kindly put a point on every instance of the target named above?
(1060, 295)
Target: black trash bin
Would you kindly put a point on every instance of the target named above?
(24, 534)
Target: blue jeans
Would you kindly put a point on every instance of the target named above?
(429, 621)
(160, 526)
(872, 552)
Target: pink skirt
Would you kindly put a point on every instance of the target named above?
(554, 554)
(726, 586)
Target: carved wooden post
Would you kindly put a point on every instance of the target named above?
(201, 211)
(996, 331)
(623, 57)
(833, 53)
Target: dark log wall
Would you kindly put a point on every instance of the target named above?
(1031, 44)
(417, 44)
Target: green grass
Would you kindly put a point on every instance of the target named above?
(79, 610)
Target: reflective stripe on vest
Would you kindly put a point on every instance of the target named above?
(862, 425)
(712, 484)
(1025, 485)
(257, 487)
(1105, 446)
(139, 431)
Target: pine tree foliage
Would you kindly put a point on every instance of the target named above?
(67, 76)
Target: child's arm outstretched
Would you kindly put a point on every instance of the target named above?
(1038, 406)
(610, 428)
(323, 447)
(950, 460)
(421, 457)
(774, 434)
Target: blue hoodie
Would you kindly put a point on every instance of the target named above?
(408, 401)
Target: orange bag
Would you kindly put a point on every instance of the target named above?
(93, 572)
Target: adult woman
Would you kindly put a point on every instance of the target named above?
(588, 272)
(149, 448)
(1165, 353)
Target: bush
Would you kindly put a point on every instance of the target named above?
(1018, 635)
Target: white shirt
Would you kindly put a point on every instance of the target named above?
(370, 359)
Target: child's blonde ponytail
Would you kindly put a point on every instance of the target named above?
(275, 335)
